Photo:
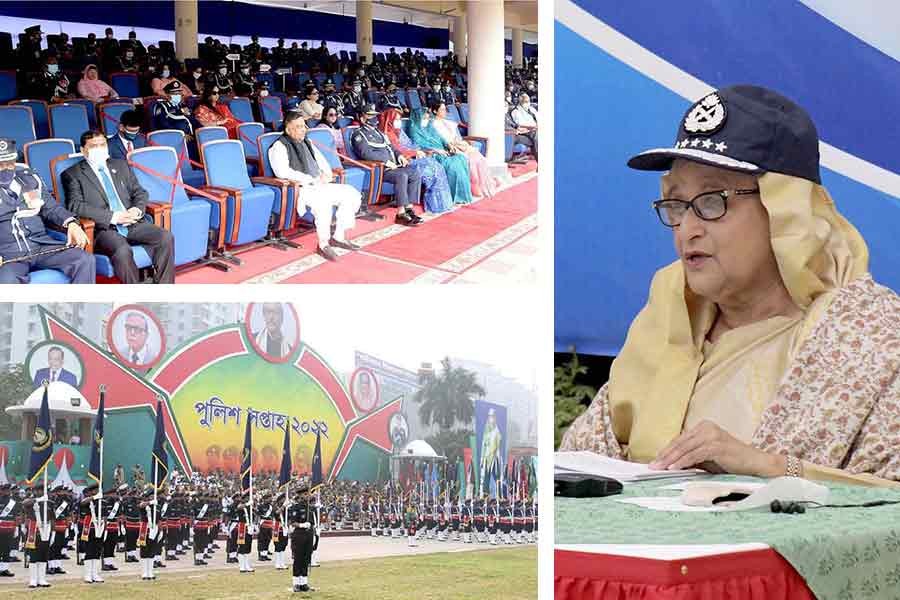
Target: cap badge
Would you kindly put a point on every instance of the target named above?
(3, 146)
(707, 116)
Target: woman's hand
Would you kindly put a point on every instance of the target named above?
(710, 447)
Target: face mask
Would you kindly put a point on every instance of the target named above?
(397, 124)
(223, 71)
(6, 177)
(165, 73)
(97, 156)
(131, 135)
(176, 99)
(197, 75)
(526, 104)
(362, 73)
(109, 36)
(53, 68)
(129, 55)
(263, 93)
(356, 89)
(245, 71)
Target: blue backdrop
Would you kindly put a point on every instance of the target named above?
(608, 242)
(227, 18)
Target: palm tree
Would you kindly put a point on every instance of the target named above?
(449, 397)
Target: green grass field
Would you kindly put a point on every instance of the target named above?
(508, 574)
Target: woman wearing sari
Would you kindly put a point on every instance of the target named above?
(767, 349)
(330, 122)
(438, 198)
(483, 183)
(456, 166)
(212, 112)
(91, 87)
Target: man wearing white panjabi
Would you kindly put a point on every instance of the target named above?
(294, 157)
(271, 338)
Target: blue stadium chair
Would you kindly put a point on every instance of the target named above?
(302, 78)
(372, 96)
(292, 102)
(247, 134)
(16, 122)
(38, 113)
(90, 107)
(345, 56)
(353, 55)
(344, 122)
(319, 79)
(241, 109)
(125, 84)
(512, 151)
(289, 222)
(191, 218)
(375, 183)
(102, 263)
(249, 205)
(209, 134)
(464, 113)
(310, 123)
(282, 97)
(271, 112)
(110, 114)
(174, 138)
(453, 113)
(413, 100)
(8, 88)
(39, 153)
(359, 177)
(268, 78)
(69, 121)
(338, 79)
(401, 97)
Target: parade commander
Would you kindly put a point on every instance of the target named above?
(766, 349)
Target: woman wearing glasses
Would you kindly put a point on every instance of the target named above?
(766, 349)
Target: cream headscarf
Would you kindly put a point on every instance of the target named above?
(652, 380)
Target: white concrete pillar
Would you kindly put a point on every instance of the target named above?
(486, 76)
(186, 28)
(459, 39)
(364, 30)
(518, 50)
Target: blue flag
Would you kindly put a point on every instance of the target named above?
(317, 462)
(246, 460)
(95, 471)
(42, 442)
(285, 476)
(160, 458)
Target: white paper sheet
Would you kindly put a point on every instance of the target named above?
(591, 463)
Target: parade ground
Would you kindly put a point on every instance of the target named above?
(352, 567)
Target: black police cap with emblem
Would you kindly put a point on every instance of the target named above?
(369, 109)
(173, 87)
(7, 150)
(742, 128)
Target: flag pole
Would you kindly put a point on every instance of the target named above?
(50, 432)
(100, 503)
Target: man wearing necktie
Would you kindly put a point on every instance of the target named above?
(55, 371)
(128, 137)
(105, 190)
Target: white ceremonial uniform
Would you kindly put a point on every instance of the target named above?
(319, 197)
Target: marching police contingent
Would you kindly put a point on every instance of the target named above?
(193, 515)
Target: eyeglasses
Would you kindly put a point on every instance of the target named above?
(708, 206)
(134, 330)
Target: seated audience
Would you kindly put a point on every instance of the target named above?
(211, 111)
(127, 137)
(455, 164)
(483, 183)
(522, 119)
(91, 87)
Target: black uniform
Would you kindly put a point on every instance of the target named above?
(112, 505)
(88, 543)
(266, 515)
(10, 509)
(354, 104)
(302, 519)
(132, 526)
(371, 144)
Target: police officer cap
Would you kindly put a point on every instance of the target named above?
(33, 29)
(328, 82)
(172, 87)
(7, 150)
(369, 109)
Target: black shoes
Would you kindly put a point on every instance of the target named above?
(264, 558)
(109, 568)
(7, 573)
(345, 245)
(405, 218)
(199, 563)
(130, 559)
(301, 588)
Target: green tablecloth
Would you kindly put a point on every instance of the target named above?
(844, 554)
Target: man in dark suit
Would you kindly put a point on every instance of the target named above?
(54, 370)
(128, 137)
(105, 190)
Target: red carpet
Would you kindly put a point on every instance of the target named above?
(423, 247)
(517, 170)
(358, 268)
(437, 242)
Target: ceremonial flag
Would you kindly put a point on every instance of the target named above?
(246, 460)
(160, 458)
(95, 471)
(317, 462)
(285, 476)
(42, 441)
(460, 478)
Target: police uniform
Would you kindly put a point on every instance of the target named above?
(410, 520)
(132, 513)
(390, 100)
(91, 530)
(280, 532)
(244, 533)
(243, 82)
(478, 511)
(63, 508)
(10, 508)
(169, 115)
(465, 518)
(201, 514)
(505, 522)
(23, 232)
(442, 522)
(266, 525)
(331, 99)
(371, 144)
(112, 505)
(454, 520)
(518, 526)
(223, 82)
(354, 102)
(492, 519)
(149, 534)
(38, 537)
(301, 519)
(229, 516)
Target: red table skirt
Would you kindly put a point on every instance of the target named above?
(751, 575)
